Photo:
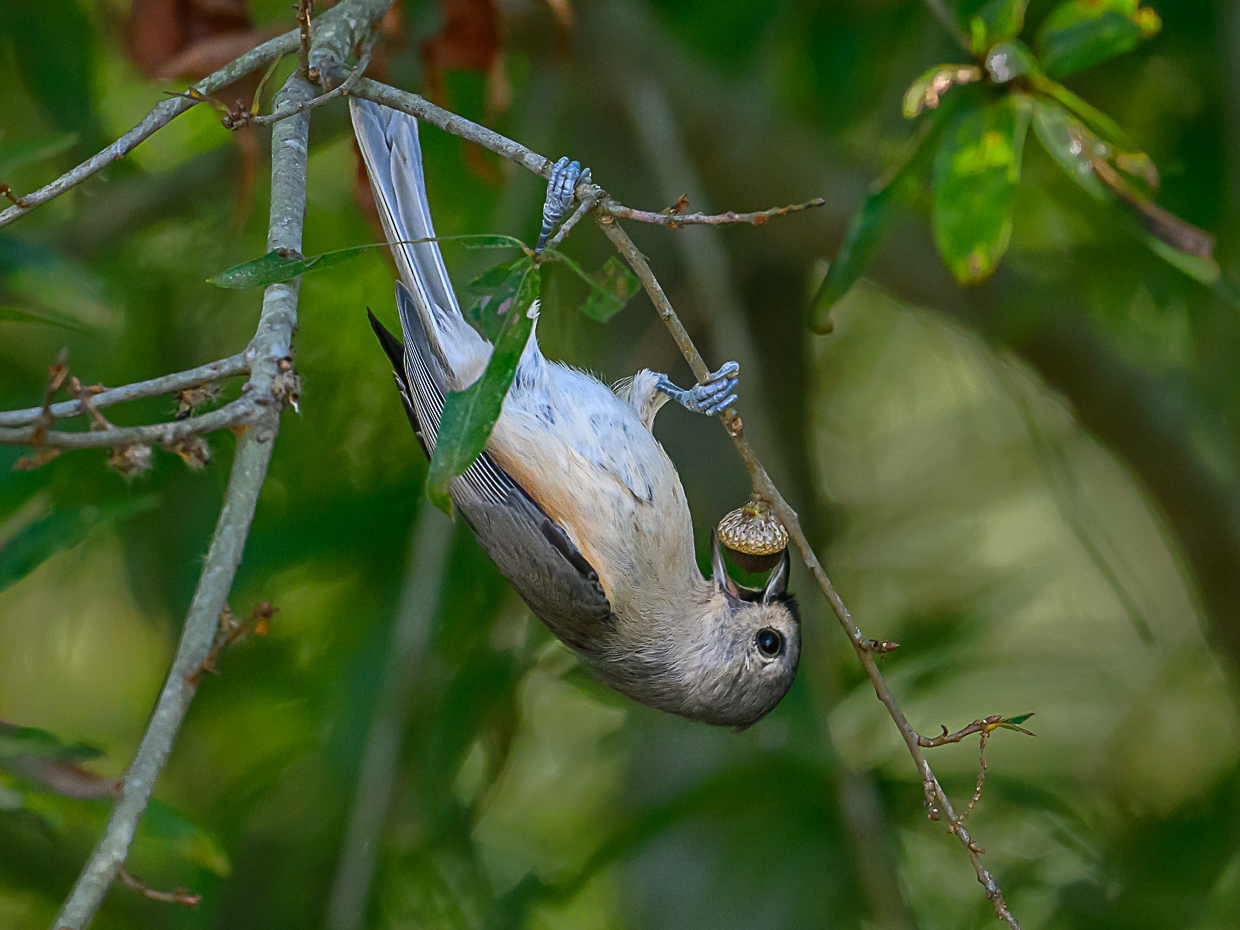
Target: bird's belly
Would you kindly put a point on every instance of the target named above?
(596, 471)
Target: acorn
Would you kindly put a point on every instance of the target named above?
(753, 536)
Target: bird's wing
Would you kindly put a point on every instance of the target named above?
(530, 549)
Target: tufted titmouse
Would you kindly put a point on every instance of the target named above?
(574, 499)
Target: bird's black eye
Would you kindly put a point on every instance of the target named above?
(770, 643)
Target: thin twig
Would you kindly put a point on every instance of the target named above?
(213, 371)
(270, 347)
(676, 220)
(379, 769)
(937, 799)
(333, 22)
(987, 725)
(981, 778)
(180, 896)
(341, 91)
(584, 206)
(414, 105)
(240, 412)
(304, 9)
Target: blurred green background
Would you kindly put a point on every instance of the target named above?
(1032, 485)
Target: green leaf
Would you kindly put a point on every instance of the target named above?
(18, 156)
(1098, 121)
(31, 741)
(865, 232)
(39, 315)
(1087, 160)
(165, 831)
(927, 91)
(1069, 142)
(470, 415)
(44, 536)
(1082, 33)
(611, 287)
(997, 21)
(278, 266)
(1201, 268)
(1010, 60)
(976, 174)
(497, 288)
(1013, 723)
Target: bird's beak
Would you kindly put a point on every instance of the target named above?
(718, 570)
(777, 584)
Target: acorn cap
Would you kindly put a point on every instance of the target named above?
(754, 536)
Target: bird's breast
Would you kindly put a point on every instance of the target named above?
(585, 458)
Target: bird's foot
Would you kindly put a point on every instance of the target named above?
(712, 397)
(565, 176)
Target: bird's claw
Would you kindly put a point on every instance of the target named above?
(565, 176)
(715, 395)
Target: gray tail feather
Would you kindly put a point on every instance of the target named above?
(389, 143)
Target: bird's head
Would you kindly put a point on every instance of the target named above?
(748, 659)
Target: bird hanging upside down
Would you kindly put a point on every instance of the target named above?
(574, 499)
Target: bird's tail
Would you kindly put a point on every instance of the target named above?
(430, 317)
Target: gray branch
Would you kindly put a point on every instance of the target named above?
(238, 364)
(238, 413)
(380, 765)
(271, 343)
(346, 25)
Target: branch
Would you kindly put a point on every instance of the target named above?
(865, 648)
(238, 413)
(676, 220)
(343, 22)
(238, 364)
(936, 798)
(379, 769)
(270, 346)
(341, 91)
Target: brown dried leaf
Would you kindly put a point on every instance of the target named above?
(130, 460)
(193, 450)
(39, 459)
(189, 399)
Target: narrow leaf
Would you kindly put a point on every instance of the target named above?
(277, 266)
(31, 741)
(39, 315)
(865, 232)
(470, 415)
(976, 174)
(1082, 33)
(280, 265)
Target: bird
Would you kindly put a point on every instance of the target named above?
(574, 499)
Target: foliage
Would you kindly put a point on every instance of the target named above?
(1027, 484)
(978, 165)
